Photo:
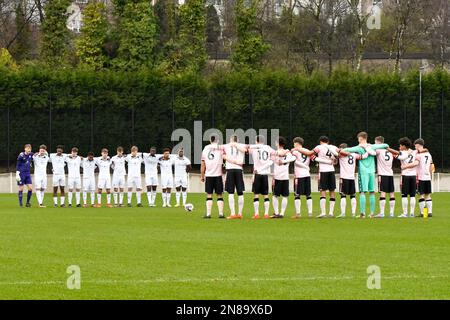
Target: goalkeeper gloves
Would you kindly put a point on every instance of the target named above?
(18, 176)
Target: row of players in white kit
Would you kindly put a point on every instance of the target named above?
(119, 181)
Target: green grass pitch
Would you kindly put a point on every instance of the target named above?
(156, 253)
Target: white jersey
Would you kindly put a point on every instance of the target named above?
(151, 163)
(425, 162)
(103, 166)
(73, 166)
(262, 158)
(281, 170)
(180, 166)
(40, 164)
(118, 165)
(301, 165)
(166, 166)
(324, 151)
(88, 168)
(134, 165)
(232, 152)
(58, 163)
(212, 155)
(408, 157)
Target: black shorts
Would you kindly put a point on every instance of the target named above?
(424, 187)
(260, 184)
(281, 188)
(214, 185)
(386, 184)
(234, 181)
(347, 187)
(408, 186)
(327, 181)
(302, 186)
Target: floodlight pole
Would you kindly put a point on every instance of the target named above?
(420, 100)
(420, 103)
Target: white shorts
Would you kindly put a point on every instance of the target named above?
(181, 181)
(59, 180)
(134, 182)
(40, 182)
(88, 184)
(118, 181)
(104, 182)
(167, 182)
(74, 183)
(151, 180)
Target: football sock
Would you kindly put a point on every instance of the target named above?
(240, 204)
(392, 206)
(121, 198)
(20, 195)
(220, 206)
(372, 203)
(184, 195)
(266, 206)
(84, 198)
(29, 194)
(323, 203)
(382, 204)
(108, 198)
(62, 200)
(362, 203)
(309, 205)
(332, 203)
(69, 198)
(99, 198)
(92, 197)
(116, 197)
(412, 205)
(209, 204)
(77, 197)
(275, 204)
(138, 196)
(256, 206)
(149, 197)
(343, 204)
(153, 197)
(421, 205)
(129, 197)
(177, 197)
(405, 205)
(429, 205)
(231, 204)
(353, 204)
(55, 201)
(168, 196)
(297, 204)
(284, 202)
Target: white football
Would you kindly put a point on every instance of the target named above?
(189, 207)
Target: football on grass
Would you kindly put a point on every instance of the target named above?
(189, 207)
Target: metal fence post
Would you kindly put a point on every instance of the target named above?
(8, 136)
(366, 96)
(442, 130)
(92, 119)
(290, 114)
(50, 119)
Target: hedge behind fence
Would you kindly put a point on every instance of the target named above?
(92, 110)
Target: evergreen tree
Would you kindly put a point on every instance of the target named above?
(250, 47)
(55, 35)
(90, 46)
(137, 36)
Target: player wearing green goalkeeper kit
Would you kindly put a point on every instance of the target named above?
(366, 172)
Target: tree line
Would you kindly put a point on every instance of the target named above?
(301, 36)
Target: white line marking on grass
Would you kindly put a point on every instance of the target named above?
(212, 280)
